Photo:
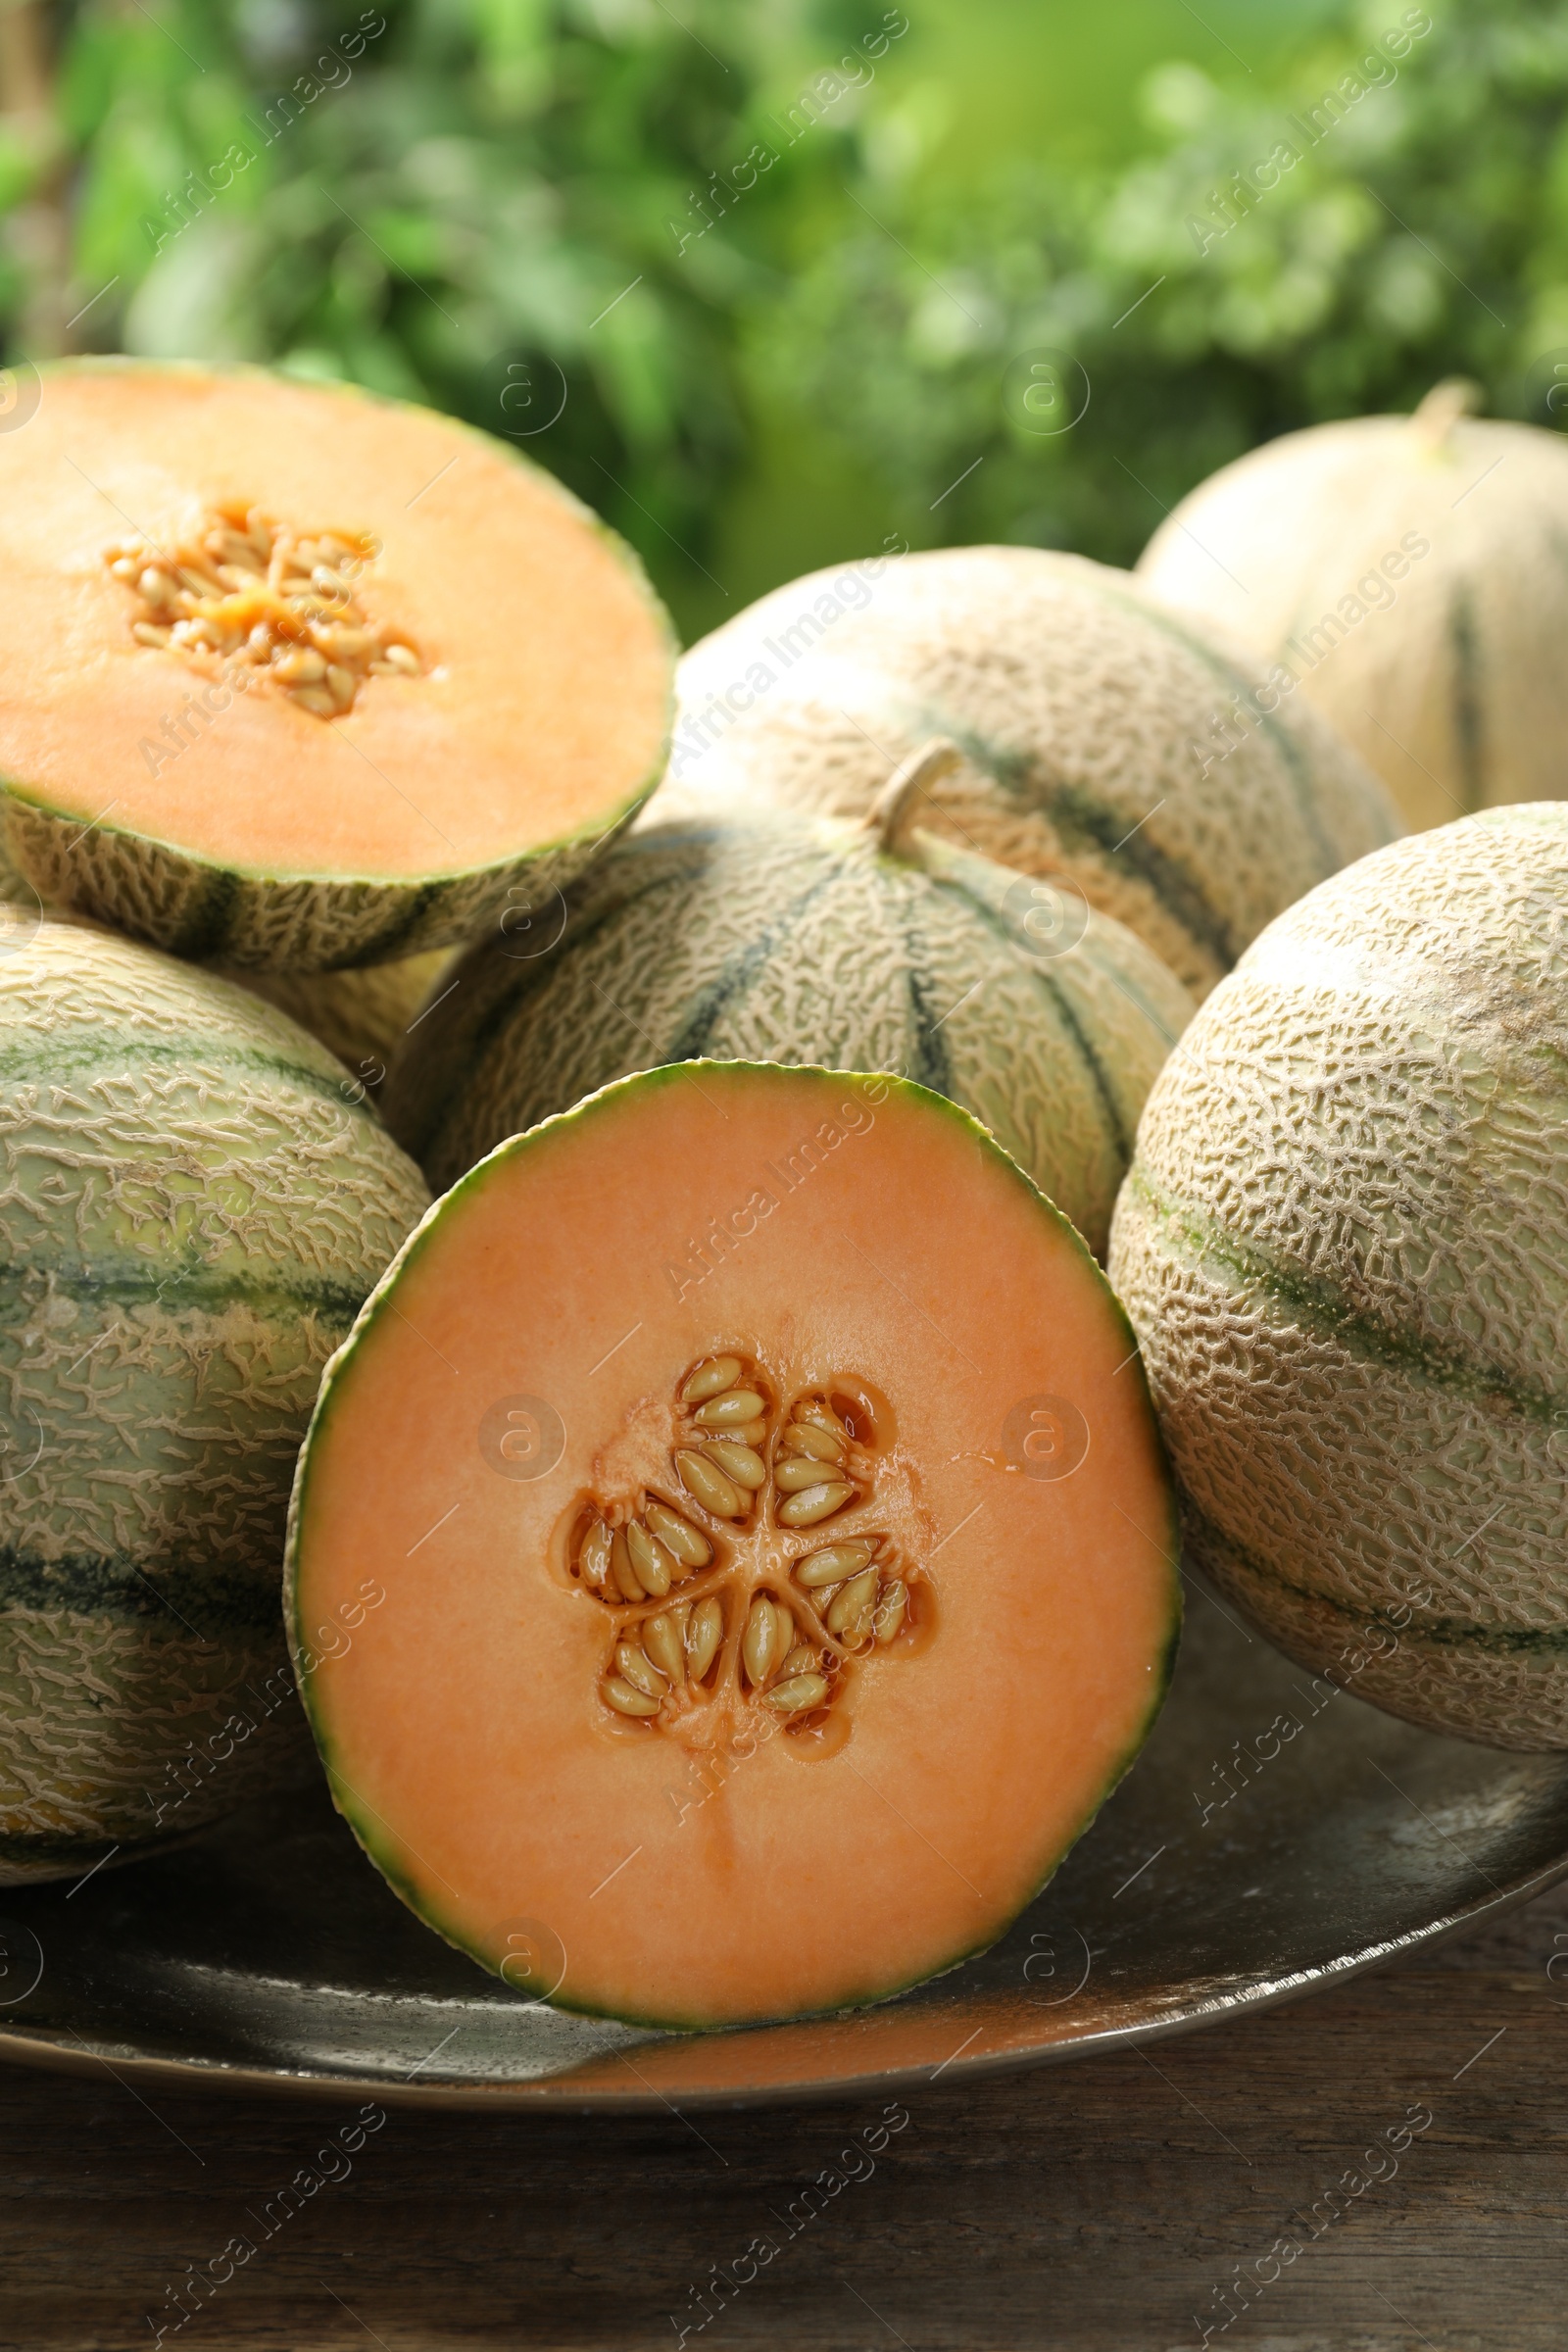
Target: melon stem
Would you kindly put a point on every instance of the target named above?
(889, 812)
(1441, 409)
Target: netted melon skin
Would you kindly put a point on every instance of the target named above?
(1095, 724)
(1344, 1245)
(362, 1015)
(783, 941)
(1408, 582)
(193, 1206)
(215, 914)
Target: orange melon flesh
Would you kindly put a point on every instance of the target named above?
(543, 710)
(460, 1719)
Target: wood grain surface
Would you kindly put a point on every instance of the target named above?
(1097, 2206)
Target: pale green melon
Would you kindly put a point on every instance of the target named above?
(193, 1207)
(362, 1015)
(1344, 1245)
(849, 947)
(1097, 728)
(1405, 576)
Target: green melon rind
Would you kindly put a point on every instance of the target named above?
(800, 941)
(211, 910)
(166, 1333)
(373, 1839)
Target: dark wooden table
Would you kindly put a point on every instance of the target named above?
(1095, 2206)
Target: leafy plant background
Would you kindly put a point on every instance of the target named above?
(762, 378)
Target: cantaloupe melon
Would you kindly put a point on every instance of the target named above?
(1344, 1245)
(756, 1642)
(362, 1016)
(1095, 724)
(193, 1208)
(293, 678)
(870, 945)
(1402, 575)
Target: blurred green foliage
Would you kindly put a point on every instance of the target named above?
(781, 324)
(1409, 222)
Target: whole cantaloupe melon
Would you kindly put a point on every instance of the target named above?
(858, 947)
(194, 1205)
(1097, 727)
(1344, 1245)
(1402, 575)
(362, 1016)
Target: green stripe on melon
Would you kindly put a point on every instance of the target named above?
(1344, 1245)
(193, 1207)
(1106, 737)
(804, 943)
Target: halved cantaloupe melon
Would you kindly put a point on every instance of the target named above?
(776, 1547)
(293, 677)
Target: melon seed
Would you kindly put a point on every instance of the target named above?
(760, 1643)
(233, 589)
(624, 1700)
(593, 1561)
(701, 1477)
(817, 1502)
(621, 1569)
(798, 1471)
(748, 1432)
(839, 1560)
(638, 1669)
(804, 1690)
(739, 1462)
(656, 1570)
(804, 1436)
(890, 1610)
(802, 1659)
(704, 1634)
(853, 1603)
(722, 1412)
(678, 1535)
(812, 1409)
(662, 1639)
(711, 1378)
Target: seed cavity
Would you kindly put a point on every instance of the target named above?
(262, 604)
(796, 1640)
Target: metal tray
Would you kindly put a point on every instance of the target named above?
(1243, 1862)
